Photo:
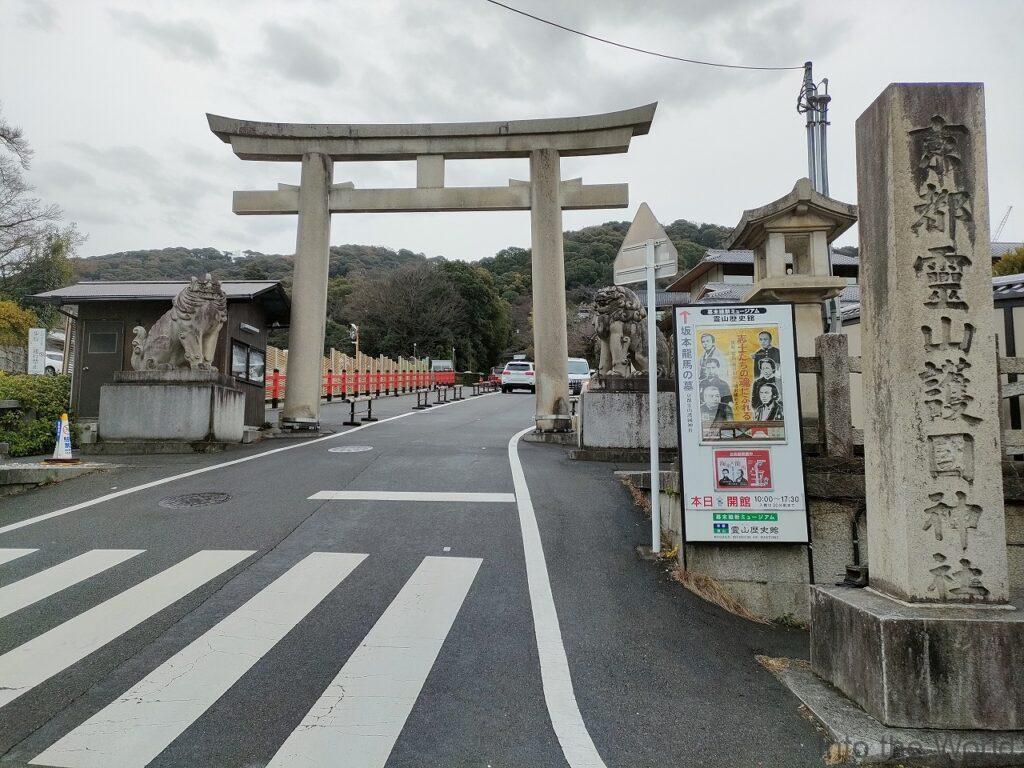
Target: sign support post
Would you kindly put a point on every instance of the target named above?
(652, 395)
(660, 259)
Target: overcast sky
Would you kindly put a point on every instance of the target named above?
(113, 96)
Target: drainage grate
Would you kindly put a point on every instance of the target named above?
(187, 500)
(350, 449)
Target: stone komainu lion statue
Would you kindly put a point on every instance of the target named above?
(622, 334)
(185, 337)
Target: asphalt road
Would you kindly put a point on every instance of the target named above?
(410, 604)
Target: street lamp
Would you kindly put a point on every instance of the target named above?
(414, 350)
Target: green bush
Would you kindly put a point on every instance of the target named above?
(47, 397)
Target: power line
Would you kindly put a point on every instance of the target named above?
(633, 48)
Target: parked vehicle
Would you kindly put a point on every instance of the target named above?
(495, 375)
(579, 375)
(518, 374)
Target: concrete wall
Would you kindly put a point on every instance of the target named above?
(773, 580)
(179, 412)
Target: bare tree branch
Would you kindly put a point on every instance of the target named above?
(13, 140)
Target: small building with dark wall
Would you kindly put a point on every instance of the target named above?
(106, 312)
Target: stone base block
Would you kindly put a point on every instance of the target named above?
(21, 476)
(556, 438)
(152, 407)
(921, 666)
(859, 739)
(619, 420)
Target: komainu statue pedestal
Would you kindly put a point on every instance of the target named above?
(612, 417)
(169, 412)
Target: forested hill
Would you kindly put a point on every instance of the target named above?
(403, 301)
(589, 254)
(348, 261)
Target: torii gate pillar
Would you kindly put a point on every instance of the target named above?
(319, 146)
(550, 342)
(309, 293)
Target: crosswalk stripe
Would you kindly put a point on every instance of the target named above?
(54, 651)
(139, 725)
(361, 713)
(6, 555)
(454, 496)
(41, 585)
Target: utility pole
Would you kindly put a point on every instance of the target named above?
(354, 335)
(813, 101)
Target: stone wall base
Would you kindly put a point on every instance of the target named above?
(619, 420)
(920, 667)
(184, 411)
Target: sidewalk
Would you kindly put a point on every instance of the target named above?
(674, 674)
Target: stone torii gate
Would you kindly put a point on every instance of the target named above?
(319, 146)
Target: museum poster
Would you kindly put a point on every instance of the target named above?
(739, 424)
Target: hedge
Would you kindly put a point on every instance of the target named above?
(48, 397)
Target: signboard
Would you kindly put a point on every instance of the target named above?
(37, 350)
(631, 262)
(739, 424)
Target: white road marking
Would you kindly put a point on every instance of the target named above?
(361, 714)
(6, 555)
(473, 498)
(138, 726)
(52, 652)
(563, 709)
(202, 470)
(41, 585)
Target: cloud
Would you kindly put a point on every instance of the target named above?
(295, 55)
(40, 15)
(58, 174)
(182, 39)
(485, 62)
(169, 187)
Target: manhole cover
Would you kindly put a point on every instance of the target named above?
(350, 449)
(194, 500)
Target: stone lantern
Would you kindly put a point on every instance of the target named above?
(799, 226)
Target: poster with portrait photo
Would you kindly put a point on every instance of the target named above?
(740, 383)
(740, 461)
(749, 470)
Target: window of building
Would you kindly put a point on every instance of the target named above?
(257, 365)
(102, 342)
(247, 363)
(239, 360)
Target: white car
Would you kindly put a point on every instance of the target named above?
(579, 375)
(518, 374)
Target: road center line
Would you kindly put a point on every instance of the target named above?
(563, 709)
(453, 496)
(212, 467)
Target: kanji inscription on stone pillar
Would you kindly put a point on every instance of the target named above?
(936, 527)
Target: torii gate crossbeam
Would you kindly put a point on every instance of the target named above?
(318, 146)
